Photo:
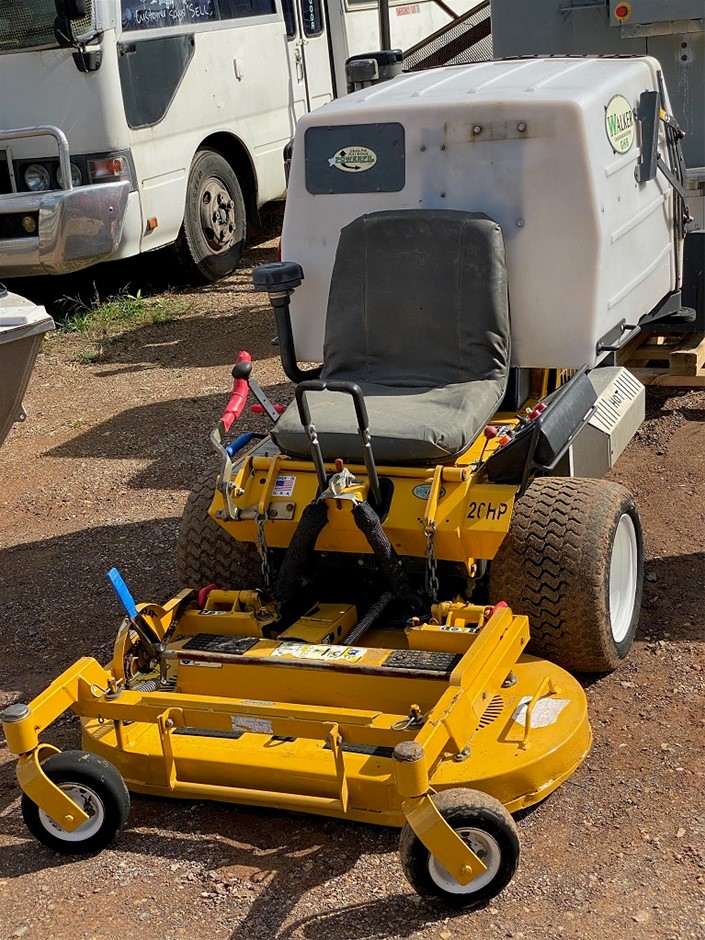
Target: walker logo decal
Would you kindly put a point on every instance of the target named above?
(423, 489)
(353, 159)
(619, 124)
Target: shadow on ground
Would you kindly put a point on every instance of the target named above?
(192, 342)
(674, 602)
(279, 855)
(157, 432)
(55, 594)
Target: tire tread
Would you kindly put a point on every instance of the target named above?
(552, 567)
(206, 553)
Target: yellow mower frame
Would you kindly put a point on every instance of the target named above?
(389, 696)
(475, 724)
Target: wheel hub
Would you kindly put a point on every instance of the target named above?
(217, 211)
(487, 849)
(623, 578)
(90, 803)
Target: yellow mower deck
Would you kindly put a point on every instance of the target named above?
(359, 732)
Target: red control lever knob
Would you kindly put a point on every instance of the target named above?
(539, 409)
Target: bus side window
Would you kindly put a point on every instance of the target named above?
(312, 17)
(289, 18)
(157, 14)
(236, 9)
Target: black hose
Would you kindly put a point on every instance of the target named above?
(391, 565)
(300, 550)
(370, 617)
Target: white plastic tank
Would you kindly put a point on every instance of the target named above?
(547, 147)
(22, 327)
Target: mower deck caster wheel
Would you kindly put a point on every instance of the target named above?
(486, 826)
(97, 787)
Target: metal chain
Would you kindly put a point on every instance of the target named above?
(263, 551)
(432, 583)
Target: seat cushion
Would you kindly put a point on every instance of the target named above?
(407, 425)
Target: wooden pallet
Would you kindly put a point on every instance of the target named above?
(666, 360)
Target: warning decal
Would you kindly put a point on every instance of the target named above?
(320, 652)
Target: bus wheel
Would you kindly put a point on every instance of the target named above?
(212, 236)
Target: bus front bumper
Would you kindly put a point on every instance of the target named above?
(73, 228)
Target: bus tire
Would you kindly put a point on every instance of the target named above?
(212, 236)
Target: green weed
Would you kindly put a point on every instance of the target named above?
(87, 356)
(106, 323)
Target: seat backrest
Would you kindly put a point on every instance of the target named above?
(418, 298)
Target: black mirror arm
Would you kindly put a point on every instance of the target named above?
(63, 32)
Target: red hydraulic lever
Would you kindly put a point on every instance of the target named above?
(538, 410)
(259, 409)
(241, 389)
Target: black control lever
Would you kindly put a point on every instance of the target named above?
(363, 429)
(243, 370)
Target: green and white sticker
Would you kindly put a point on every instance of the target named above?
(619, 124)
(423, 490)
(353, 159)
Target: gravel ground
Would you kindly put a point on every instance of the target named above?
(98, 475)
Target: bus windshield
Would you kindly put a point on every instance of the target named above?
(28, 24)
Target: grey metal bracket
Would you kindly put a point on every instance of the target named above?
(675, 183)
(667, 28)
(647, 113)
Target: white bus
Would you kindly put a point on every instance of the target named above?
(166, 121)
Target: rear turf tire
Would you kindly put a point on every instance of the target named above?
(96, 785)
(490, 831)
(572, 561)
(206, 554)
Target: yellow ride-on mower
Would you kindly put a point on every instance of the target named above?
(354, 639)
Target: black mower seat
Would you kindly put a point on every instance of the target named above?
(418, 317)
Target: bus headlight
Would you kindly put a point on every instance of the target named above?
(36, 178)
(76, 176)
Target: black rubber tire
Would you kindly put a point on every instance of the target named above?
(554, 566)
(200, 262)
(206, 554)
(96, 774)
(463, 808)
